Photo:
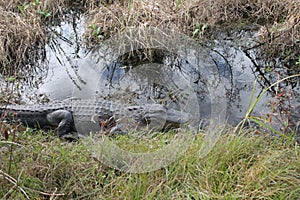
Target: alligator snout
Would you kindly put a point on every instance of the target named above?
(160, 112)
(179, 117)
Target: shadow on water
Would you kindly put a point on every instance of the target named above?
(74, 71)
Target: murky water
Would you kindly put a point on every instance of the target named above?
(73, 71)
(64, 57)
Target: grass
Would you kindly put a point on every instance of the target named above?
(37, 165)
(24, 31)
(24, 24)
(245, 166)
(278, 22)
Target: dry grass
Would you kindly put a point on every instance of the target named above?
(21, 41)
(183, 15)
(282, 40)
(199, 19)
(23, 29)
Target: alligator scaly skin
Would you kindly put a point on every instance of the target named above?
(109, 115)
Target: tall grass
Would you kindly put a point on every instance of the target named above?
(24, 31)
(253, 103)
(278, 21)
(245, 166)
(37, 165)
(23, 23)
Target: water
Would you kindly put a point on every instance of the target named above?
(64, 55)
(74, 71)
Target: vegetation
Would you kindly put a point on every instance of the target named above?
(24, 23)
(246, 165)
(278, 21)
(250, 166)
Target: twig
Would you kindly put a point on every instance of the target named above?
(259, 71)
(10, 142)
(14, 182)
(44, 193)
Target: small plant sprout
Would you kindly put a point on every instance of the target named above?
(23, 8)
(96, 31)
(179, 2)
(36, 2)
(11, 79)
(45, 13)
(199, 29)
(298, 62)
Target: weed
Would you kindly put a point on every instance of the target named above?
(96, 31)
(45, 14)
(11, 79)
(239, 166)
(199, 30)
(36, 2)
(23, 8)
(298, 62)
(284, 111)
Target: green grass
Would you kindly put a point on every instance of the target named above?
(36, 165)
(247, 166)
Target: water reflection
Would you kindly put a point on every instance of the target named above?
(64, 55)
(74, 72)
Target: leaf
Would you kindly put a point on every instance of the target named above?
(11, 79)
(48, 14)
(37, 2)
(92, 27)
(98, 30)
(45, 14)
(204, 27)
(196, 31)
(298, 63)
(22, 8)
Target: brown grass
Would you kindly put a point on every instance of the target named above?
(183, 15)
(23, 28)
(21, 41)
(282, 40)
(187, 16)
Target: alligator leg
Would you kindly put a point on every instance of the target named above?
(64, 122)
(117, 130)
(111, 126)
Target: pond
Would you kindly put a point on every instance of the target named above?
(218, 76)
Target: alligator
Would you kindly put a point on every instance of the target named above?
(110, 116)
